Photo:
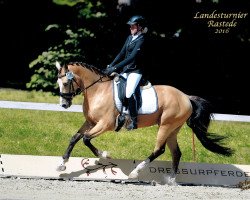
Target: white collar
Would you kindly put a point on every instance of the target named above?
(136, 36)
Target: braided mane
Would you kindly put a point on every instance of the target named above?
(88, 66)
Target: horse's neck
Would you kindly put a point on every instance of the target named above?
(86, 75)
(97, 91)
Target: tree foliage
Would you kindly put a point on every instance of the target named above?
(44, 65)
(70, 48)
(97, 29)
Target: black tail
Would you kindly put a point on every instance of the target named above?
(199, 122)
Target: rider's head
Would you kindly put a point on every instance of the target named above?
(137, 24)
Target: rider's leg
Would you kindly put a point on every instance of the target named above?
(132, 81)
(132, 106)
(125, 100)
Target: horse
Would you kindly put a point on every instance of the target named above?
(175, 108)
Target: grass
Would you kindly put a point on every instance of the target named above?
(9, 94)
(48, 133)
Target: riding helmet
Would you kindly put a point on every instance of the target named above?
(137, 19)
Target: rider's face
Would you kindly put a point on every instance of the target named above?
(134, 29)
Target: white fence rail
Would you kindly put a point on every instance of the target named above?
(78, 108)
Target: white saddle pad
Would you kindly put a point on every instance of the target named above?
(149, 100)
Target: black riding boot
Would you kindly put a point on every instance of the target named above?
(132, 106)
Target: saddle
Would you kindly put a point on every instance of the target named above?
(121, 89)
(145, 96)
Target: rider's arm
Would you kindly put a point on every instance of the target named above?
(131, 58)
(121, 54)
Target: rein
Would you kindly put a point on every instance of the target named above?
(100, 79)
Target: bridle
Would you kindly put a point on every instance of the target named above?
(72, 91)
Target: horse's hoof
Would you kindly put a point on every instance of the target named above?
(171, 181)
(105, 155)
(133, 175)
(61, 168)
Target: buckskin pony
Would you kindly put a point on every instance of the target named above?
(174, 109)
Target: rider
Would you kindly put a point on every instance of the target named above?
(129, 63)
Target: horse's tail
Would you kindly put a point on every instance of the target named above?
(199, 122)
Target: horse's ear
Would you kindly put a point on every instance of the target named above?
(58, 66)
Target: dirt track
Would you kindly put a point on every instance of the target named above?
(39, 189)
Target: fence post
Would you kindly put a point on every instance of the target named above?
(193, 147)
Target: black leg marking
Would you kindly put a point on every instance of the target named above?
(157, 153)
(72, 143)
(176, 159)
(87, 142)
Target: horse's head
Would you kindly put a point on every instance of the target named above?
(68, 84)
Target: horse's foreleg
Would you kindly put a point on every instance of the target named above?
(96, 152)
(68, 151)
(71, 145)
(94, 132)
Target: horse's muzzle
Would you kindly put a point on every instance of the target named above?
(65, 103)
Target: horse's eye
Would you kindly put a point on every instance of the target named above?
(65, 84)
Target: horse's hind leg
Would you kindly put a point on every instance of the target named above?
(164, 136)
(176, 156)
(142, 165)
(159, 149)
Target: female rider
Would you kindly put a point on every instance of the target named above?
(129, 63)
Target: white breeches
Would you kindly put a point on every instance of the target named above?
(132, 81)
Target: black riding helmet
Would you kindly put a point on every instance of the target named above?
(137, 19)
